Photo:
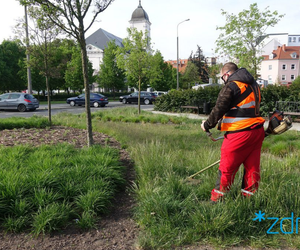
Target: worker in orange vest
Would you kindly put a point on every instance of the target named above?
(237, 113)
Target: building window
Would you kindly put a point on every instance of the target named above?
(290, 39)
(284, 67)
(299, 39)
(293, 66)
(283, 77)
(294, 55)
(292, 77)
(270, 67)
(270, 79)
(294, 39)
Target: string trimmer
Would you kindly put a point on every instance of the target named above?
(191, 179)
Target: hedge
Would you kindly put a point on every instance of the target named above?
(172, 101)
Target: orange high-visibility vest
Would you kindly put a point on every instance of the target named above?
(245, 113)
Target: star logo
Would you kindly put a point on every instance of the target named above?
(259, 216)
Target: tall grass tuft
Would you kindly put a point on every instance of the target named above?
(48, 187)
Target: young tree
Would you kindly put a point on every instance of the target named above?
(135, 58)
(161, 76)
(200, 62)
(69, 15)
(190, 75)
(110, 75)
(242, 33)
(43, 49)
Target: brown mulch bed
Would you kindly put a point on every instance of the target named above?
(116, 231)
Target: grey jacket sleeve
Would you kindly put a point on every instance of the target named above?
(223, 105)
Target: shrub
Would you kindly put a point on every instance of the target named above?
(172, 101)
(273, 93)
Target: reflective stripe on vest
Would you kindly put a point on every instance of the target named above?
(243, 114)
(247, 105)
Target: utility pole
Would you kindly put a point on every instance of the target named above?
(29, 88)
(178, 53)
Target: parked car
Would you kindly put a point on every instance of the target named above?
(96, 100)
(146, 97)
(159, 93)
(18, 101)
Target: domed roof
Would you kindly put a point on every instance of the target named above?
(139, 14)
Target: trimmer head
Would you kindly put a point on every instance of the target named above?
(193, 181)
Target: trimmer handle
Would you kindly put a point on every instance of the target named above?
(209, 134)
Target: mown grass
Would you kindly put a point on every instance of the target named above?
(47, 188)
(171, 212)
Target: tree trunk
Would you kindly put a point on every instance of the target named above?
(48, 99)
(139, 98)
(84, 58)
(47, 79)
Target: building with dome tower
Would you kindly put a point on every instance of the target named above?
(140, 20)
(97, 42)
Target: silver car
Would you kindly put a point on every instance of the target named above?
(18, 101)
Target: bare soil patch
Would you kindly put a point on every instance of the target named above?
(115, 231)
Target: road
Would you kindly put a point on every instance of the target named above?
(57, 108)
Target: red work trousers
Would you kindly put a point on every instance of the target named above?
(239, 148)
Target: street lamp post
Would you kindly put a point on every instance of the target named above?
(178, 53)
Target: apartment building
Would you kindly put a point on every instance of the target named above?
(282, 65)
(182, 63)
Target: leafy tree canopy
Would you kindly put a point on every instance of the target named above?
(135, 58)
(164, 75)
(111, 76)
(73, 74)
(199, 60)
(71, 17)
(190, 76)
(11, 54)
(241, 36)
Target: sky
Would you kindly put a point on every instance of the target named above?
(165, 15)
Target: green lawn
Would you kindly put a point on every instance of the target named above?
(171, 212)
